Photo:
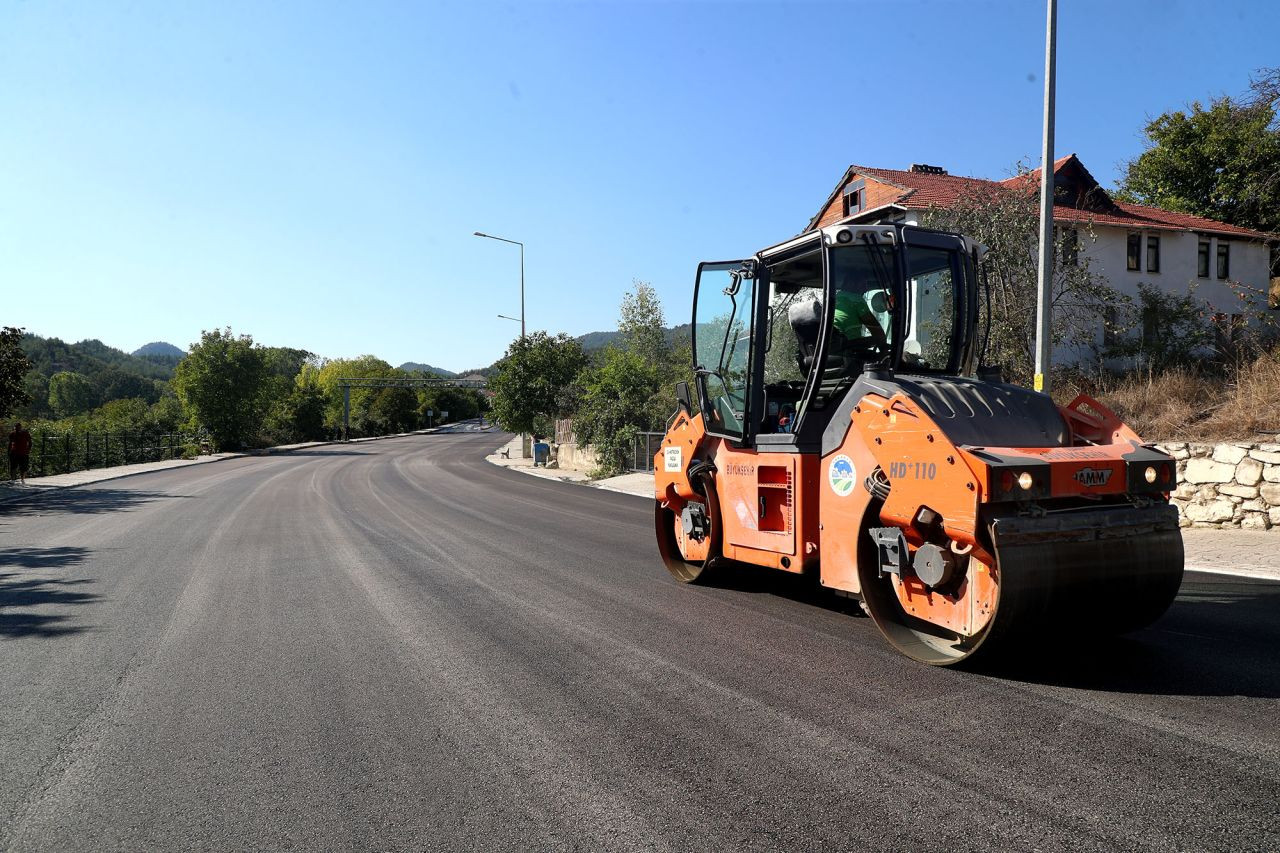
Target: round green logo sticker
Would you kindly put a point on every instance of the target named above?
(842, 475)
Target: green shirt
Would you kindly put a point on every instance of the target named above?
(853, 317)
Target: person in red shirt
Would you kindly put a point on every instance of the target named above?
(19, 453)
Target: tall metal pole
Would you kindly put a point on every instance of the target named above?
(346, 413)
(1044, 307)
(521, 245)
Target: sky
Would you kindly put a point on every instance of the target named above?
(312, 173)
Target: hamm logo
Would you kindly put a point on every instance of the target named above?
(1090, 477)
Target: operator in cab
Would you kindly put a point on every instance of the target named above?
(861, 316)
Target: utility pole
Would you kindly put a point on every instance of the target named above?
(1044, 290)
(521, 245)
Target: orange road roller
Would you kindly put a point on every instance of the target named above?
(839, 426)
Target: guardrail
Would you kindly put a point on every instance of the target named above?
(62, 453)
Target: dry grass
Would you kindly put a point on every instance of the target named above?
(1183, 404)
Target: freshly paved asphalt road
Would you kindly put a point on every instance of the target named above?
(398, 646)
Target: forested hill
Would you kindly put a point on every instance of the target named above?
(599, 340)
(90, 358)
(160, 350)
(416, 366)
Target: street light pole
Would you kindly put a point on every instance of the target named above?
(1044, 290)
(521, 245)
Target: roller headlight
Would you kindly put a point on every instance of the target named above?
(1150, 474)
(1025, 481)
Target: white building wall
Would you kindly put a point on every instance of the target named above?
(1108, 256)
(1250, 265)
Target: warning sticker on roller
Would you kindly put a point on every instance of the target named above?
(672, 458)
(842, 476)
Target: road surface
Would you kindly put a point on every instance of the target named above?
(397, 646)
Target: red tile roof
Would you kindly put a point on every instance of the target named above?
(923, 190)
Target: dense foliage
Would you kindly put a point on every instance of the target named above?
(223, 383)
(1007, 221)
(14, 365)
(236, 392)
(532, 383)
(624, 387)
(1221, 161)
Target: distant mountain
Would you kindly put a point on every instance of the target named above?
(159, 348)
(593, 341)
(426, 368)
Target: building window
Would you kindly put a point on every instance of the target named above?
(1071, 248)
(1224, 259)
(1153, 253)
(855, 197)
(1135, 251)
(1202, 259)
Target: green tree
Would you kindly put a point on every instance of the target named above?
(1007, 221)
(630, 388)
(70, 394)
(221, 383)
(531, 378)
(460, 403)
(394, 410)
(14, 365)
(326, 375)
(299, 416)
(1172, 329)
(1220, 161)
(642, 324)
(617, 402)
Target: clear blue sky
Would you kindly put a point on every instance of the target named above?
(311, 173)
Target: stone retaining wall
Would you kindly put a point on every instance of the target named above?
(1227, 485)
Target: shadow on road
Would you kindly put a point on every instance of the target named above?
(81, 501)
(1218, 639)
(32, 588)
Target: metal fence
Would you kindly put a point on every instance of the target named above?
(643, 446)
(61, 453)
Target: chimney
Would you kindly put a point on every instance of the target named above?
(926, 169)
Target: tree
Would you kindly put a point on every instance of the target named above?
(630, 388)
(530, 379)
(1173, 329)
(14, 365)
(642, 324)
(394, 410)
(221, 382)
(1007, 221)
(1222, 161)
(325, 375)
(70, 394)
(460, 403)
(617, 402)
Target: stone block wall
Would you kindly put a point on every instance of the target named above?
(1227, 485)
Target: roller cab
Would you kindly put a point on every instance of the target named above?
(838, 427)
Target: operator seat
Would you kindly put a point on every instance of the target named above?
(806, 320)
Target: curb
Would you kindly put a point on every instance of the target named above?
(535, 472)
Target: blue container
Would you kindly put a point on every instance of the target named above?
(541, 453)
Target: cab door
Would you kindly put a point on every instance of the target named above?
(723, 323)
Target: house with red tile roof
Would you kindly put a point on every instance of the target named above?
(1130, 243)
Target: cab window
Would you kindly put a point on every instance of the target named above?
(722, 344)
